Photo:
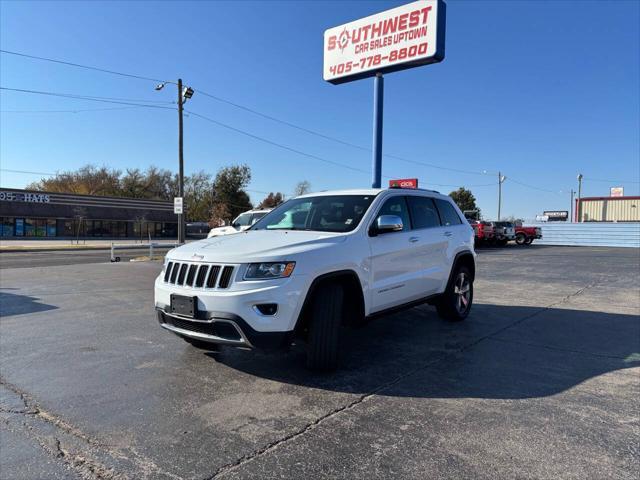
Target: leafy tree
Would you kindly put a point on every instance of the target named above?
(230, 199)
(272, 200)
(198, 197)
(302, 187)
(220, 199)
(88, 180)
(464, 199)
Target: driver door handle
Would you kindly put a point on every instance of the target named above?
(447, 234)
(414, 239)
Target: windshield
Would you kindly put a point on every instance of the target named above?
(242, 220)
(330, 213)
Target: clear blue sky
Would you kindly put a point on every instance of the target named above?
(540, 90)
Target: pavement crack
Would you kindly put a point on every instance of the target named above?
(80, 452)
(362, 398)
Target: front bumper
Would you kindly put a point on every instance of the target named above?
(221, 328)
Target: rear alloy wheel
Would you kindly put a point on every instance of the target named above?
(455, 303)
(324, 333)
(521, 238)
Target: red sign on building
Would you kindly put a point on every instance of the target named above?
(404, 183)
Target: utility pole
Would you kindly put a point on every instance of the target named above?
(579, 206)
(183, 95)
(571, 206)
(181, 163)
(501, 180)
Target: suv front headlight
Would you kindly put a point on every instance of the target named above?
(264, 271)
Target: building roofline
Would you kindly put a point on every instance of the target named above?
(22, 190)
(610, 198)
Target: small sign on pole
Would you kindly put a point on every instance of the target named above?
(177, 205)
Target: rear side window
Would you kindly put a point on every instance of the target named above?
(448, 214)
(423, 212)
(397, 206)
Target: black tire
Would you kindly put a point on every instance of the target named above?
(450, 305)
(211, 347)
(521, 238)
(324, 332)
(503, 242)
(528, 241)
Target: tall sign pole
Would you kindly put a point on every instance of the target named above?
(181, 164)
(378, 111)
(403, 37)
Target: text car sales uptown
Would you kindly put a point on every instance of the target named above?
(368, 38)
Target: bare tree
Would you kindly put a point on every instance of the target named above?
(302, 187)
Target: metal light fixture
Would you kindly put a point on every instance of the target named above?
(187, 93)
(160, 86)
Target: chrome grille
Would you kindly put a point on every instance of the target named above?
(198, 275)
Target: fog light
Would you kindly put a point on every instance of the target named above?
(267, 309)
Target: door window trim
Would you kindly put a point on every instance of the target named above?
(433, 200)
(377, 214)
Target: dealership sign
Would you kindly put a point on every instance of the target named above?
(404, 183)
(24, 197)
(396, 39)
(556, 215)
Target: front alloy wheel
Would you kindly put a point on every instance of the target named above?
(455, 303)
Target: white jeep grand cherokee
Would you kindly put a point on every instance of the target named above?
(316, 263)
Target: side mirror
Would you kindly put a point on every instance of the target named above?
(388, 223)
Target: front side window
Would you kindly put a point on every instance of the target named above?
(423, 212)
(326, 213)
(257, 216)
(448, 214)
(397, 206)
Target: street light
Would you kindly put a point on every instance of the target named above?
(183, 95)
(579, 206)
(501, 179)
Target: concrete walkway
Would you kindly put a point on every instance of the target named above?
(50, 244)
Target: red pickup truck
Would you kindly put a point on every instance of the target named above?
(484, 231)
(526, 235)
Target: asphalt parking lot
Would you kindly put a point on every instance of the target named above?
(541, 381)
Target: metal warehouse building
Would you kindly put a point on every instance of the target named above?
(26, 213)
(608, 209)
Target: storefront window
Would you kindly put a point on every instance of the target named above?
(6, 227)
(19, 227)
(41, 227)
(29, 227)
(51, 227)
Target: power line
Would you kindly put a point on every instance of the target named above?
(330, 138)
(70, 111)
(103, 70)
(27, 172)
(531, 186)
(609, 181)
(116, 100)
(250, 110)
(276, 144)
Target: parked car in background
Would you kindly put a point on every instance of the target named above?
(484, 232)
(503, 232)
(526, 235)
(240, 223)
